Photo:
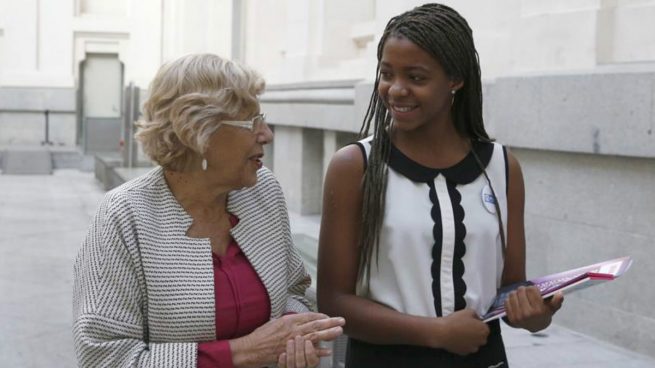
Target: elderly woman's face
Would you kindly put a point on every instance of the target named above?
(234, 153)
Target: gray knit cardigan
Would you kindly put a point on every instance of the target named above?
(139, 231)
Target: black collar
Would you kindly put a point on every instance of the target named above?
(463, 172)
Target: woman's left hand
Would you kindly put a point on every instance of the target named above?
(527, 309)
(300, 354)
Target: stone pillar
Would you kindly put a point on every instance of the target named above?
(312, 171)
(329, 148)
(269, 151)
(287, 151)
(298, 163)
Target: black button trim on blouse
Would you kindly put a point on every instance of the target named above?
(437, 235)
(464, 172)
(460, 247)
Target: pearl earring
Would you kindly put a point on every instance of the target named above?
(453, 91)
(204, 164)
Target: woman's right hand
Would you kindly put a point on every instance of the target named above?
(463, 332)
(301, 353)
(264, 345)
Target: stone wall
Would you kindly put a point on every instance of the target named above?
(23, 121)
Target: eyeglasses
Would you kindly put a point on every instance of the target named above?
(253, 124)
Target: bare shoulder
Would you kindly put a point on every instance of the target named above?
(346, 169)
(349, 159)
(343, 179)
(512, 162)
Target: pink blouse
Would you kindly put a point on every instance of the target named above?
(242, 304)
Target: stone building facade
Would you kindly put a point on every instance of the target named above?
(568, 85)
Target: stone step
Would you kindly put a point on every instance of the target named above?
(27, 161)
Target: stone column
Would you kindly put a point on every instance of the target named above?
(329, 148)
(298, 163)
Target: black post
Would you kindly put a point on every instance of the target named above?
(47, 129)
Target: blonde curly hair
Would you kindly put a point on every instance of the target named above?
(188, 98)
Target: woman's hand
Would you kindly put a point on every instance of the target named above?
(300, 354)
(527, 309)
(264, 345)
(463, 332)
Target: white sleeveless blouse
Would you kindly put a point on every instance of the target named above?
(440, 248)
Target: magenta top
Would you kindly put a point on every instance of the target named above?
(242, 304)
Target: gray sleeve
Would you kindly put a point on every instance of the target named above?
(298, 277)
(299, 281)
(108, 300)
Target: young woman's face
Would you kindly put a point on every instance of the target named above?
(413, 85)
(234, 154)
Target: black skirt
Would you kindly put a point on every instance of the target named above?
(363, 355)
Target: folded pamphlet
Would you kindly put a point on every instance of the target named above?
(566, 282)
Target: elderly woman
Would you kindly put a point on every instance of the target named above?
(192, 264)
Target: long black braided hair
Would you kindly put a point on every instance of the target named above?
(447, 37)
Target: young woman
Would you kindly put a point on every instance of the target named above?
(425, 216)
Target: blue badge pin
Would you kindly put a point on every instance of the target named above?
(488, 199)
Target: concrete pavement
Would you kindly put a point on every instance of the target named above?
(42, 222)
(43, 219)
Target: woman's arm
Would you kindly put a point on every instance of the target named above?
(297, 278)
(338, 256)
(525, 306)
(298, 282)
(108, 300)
(514, 270)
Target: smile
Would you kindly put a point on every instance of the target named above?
(403, 109)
